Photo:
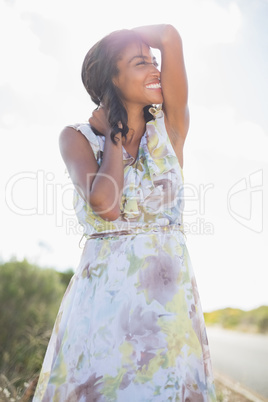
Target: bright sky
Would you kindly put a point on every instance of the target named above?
(43, 44)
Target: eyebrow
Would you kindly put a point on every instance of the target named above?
(141, 57)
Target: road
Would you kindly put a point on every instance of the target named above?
(241, 356)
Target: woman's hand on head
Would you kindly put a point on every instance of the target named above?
(99, 121)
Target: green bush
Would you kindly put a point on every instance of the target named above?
(29, 300)
(255, 320)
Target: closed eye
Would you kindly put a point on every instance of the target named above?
(141, 62)
(154, 63)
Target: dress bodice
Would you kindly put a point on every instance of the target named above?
(153, 184)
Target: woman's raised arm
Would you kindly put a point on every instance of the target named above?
(173, 76)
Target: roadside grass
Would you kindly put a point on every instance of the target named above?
(225, 394)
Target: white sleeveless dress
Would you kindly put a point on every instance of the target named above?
(130, 327)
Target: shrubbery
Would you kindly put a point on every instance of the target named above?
(29, 300)
(250, 321)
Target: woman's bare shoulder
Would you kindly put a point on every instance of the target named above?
(74, 146)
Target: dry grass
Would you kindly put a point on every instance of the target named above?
(225, 394)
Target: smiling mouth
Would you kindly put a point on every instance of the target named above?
(154, 86)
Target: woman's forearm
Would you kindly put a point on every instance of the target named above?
(106, 189)
(157, 36)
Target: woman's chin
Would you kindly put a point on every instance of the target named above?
(157, 99)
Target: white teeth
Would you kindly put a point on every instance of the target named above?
(154, 86)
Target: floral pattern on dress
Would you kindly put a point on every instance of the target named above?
(153, 184)
(130, 326)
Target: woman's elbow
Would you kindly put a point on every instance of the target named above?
(111, 215)
(170, 34)
(106, 210)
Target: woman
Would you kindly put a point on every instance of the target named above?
(130, 326)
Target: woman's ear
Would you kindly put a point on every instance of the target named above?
(115, 81)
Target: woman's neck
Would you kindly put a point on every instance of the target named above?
(136, 124)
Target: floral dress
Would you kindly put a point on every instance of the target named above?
(130, 327)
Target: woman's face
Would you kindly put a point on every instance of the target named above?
(138, 78)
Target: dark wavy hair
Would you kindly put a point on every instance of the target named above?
(98, 70)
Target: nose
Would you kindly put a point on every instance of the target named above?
(154, 71)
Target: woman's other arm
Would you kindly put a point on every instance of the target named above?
(101, 187)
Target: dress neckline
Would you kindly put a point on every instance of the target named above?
(126, 154)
